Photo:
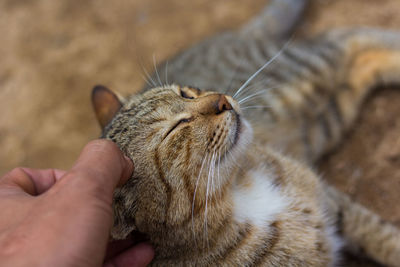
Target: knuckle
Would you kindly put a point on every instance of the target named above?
(101, 145)
(19, 178)
(17, 172)
(85, 182)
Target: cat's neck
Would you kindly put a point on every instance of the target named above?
(251, 202)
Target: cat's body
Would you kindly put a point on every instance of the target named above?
(209, 188)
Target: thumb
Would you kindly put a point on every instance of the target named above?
(101, 163)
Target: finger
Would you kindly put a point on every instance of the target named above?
(32, 181)
(44, 179)
(20, 180)
(116, 247)
(138, 256)
(102, 163)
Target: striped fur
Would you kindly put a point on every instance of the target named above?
(201, 167)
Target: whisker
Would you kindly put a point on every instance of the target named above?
(166, 72)
(262, 68)
(213, 171)
(218, 175)
(149, 77)
(194, 194)
(146, 80)
(155, 68)
(212, 180)
(255, 85)
(232, 158)
(251, 96)
(249, 107)
(261, 84)
(267, 92)
(232, 79)
(207, 192)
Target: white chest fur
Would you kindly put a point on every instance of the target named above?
(258, 201)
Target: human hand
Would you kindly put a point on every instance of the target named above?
(63, 218)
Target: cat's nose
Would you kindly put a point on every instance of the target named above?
(213, 104)
(223, 104)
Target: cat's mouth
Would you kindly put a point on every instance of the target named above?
(241, 133)
(238, 128)
(234, 132)
(231, 133)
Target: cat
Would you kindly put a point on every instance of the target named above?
(227, 180)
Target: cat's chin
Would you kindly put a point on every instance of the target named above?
(244, 133)
(242, 137)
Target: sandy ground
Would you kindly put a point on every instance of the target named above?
(53, 52)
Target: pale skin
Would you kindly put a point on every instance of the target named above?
(63, 218)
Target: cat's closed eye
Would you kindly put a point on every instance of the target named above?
(185, 95)
(184, 120)
(189, 92)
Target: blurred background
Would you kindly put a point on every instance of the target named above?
(53, 52)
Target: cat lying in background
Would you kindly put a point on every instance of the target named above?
(225, 180)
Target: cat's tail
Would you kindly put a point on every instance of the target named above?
(371, 57)
(339, 69)
(363, 230)
(277, 20)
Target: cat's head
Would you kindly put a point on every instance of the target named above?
(183, 142)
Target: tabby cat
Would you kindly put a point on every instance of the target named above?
(225, 180)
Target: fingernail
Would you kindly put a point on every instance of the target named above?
(130, 165)
(127, 171)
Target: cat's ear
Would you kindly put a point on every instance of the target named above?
(105, 103)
